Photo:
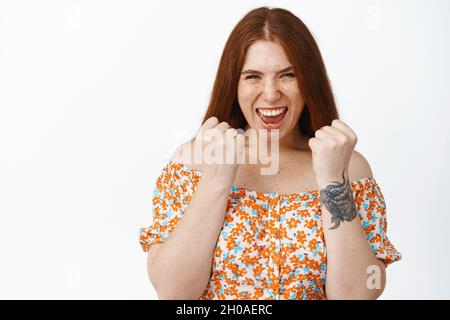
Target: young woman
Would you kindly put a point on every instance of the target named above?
(314, 230)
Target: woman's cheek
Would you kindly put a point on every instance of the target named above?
(247, 97)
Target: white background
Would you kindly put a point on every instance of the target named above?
(95, 95)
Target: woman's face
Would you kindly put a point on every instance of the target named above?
(268, 92)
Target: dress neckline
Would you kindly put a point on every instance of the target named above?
(235, 188)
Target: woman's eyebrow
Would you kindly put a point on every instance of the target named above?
(259, 72)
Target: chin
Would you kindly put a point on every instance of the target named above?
(275, 136)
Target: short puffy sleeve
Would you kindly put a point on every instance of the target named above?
(171, 195)
(371, 206)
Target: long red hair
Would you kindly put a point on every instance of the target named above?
(278, 25)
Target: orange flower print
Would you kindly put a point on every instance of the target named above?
(271, 246)
(292, 223)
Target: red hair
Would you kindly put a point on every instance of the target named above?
(281, 26)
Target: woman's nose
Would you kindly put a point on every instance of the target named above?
(271, 92)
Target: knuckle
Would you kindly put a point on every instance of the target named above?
(212, 121)
(332, 143)
(343, 140)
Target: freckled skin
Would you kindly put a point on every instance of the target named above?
(274, 88)
(270, 88)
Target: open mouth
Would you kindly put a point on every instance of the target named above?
(272, 118)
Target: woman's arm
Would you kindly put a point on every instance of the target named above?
(348, 258)
(181, 267)
(348, 252)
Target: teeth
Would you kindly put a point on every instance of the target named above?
(271, 113)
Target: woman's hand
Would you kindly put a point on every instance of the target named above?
(332, 148)
(217, 147)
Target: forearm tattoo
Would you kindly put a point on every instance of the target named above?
(338, 199)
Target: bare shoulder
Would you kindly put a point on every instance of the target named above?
(359, 167)
(183, 154)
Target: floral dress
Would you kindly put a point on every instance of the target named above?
(271, 246)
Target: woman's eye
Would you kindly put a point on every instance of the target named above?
(290, 74)
(255, 76)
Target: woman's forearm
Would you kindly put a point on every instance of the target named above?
(348, 257)
(182, 266)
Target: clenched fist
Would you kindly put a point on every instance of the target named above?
(332, 148)
(218, 147)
